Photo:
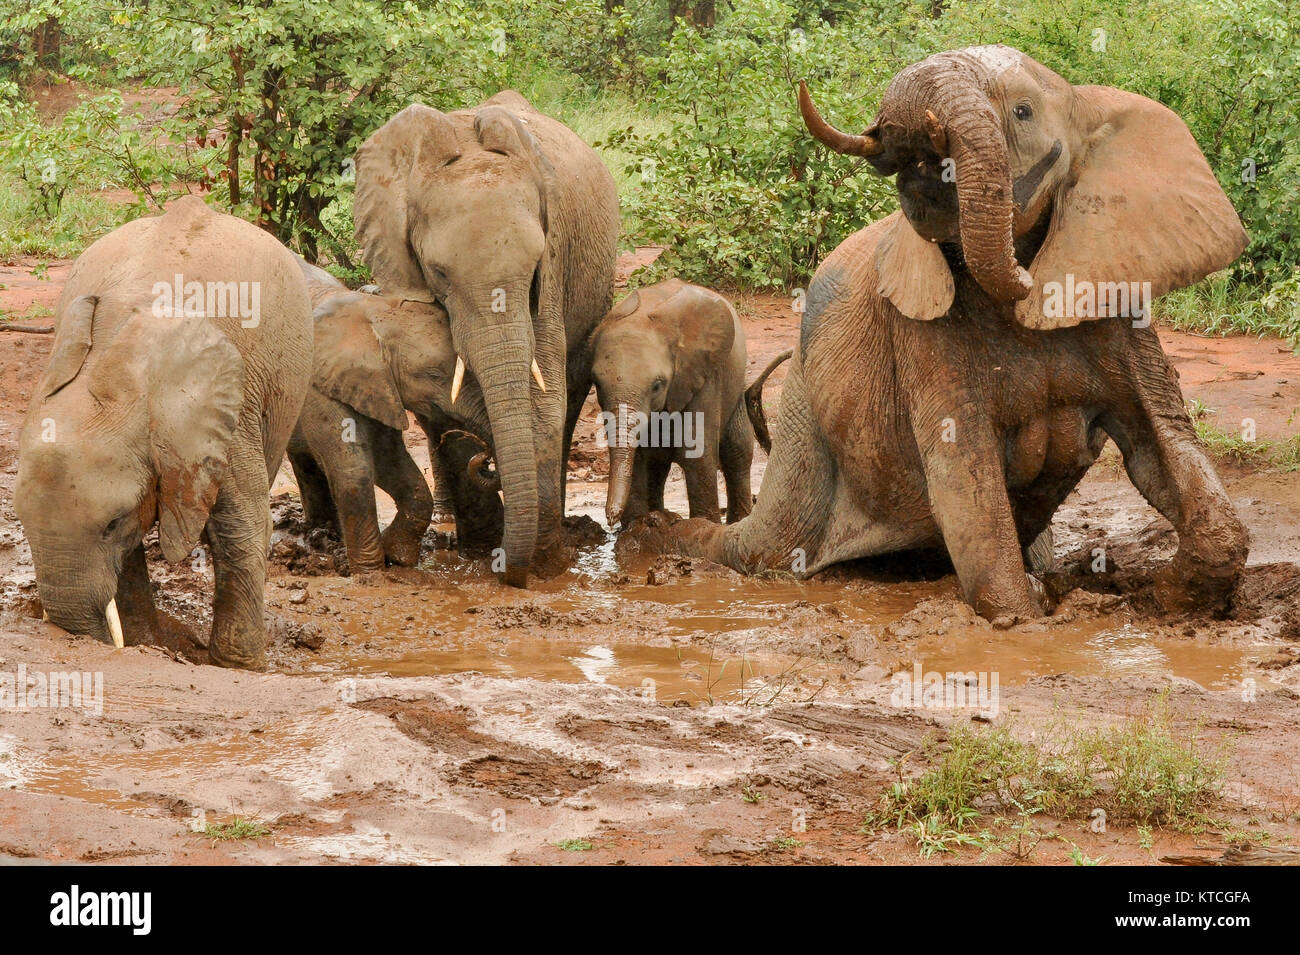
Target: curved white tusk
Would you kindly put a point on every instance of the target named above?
(537, 377)
(114, 624)
(457, 379)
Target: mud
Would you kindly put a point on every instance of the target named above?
(655, 708)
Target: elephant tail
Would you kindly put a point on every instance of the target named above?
(754, 401)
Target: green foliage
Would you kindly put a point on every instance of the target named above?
(699, 124)
(735, 189)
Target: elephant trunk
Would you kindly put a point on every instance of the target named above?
(946, 97)
(499, 351)
(78, 596)
(622, 458)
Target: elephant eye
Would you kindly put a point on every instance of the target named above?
(1023, 111)
(113, 526)
(659, 383)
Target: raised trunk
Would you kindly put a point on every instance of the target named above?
(951, 87)
(498, 349)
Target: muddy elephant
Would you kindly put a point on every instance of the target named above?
(375, 358)
(962, 362)
(181, 356)
(668, 363)
(509, 221)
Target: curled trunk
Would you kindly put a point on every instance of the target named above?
(951, 87)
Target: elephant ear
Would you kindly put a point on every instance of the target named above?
(352, 365)
(195, 389)
(706, 330)
(625, 308)
(387, 164)
(72, 343)
(913, 273)
(499, 130)
(1142, 206)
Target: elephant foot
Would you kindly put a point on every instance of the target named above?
(243, 649)
(1178, 592)
(1005, 613)
(401, 547)
(232, 659)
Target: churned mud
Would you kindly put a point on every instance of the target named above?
(637, 708)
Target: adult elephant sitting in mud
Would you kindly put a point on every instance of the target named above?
(182, 353)
(509, 221)
(962, 362)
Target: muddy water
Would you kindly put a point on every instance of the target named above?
(705, 639)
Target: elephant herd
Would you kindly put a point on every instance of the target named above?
(959, 365)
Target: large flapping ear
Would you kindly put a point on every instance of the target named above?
(195, 389)
(351, 363)
(1143, 207)
(499, 130)
(706, 330)
(386, 165)
(72, 341)
(913, 273)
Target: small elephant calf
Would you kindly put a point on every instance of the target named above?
(375, 357)
(669, 367)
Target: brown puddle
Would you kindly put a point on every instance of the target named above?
(1088, 648)
(582, 627)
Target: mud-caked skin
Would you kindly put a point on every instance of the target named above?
(672, 355)
(181, 356)
(504, 217)
(376, 357)
(942, 394)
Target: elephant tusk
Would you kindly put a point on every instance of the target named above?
(458, 378)
(114, 624)
(537, 377)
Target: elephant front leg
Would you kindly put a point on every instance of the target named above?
(969, 502)
(1168, 465)
(239, 532)
(401, 479)
(313, 490)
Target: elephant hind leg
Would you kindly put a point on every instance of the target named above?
(788, 524)
(400, 478)
(736, 456)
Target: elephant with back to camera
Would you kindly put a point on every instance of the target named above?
(181, 356)
(509, 221)
(962, 362)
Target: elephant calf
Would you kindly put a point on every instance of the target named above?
(181, 357)
(375, 358)
(669, 366)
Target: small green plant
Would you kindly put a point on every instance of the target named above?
(1145, 839)
(785, 843)
(1078, 858)
(575, 845)
(751, 795)
(236, 829)
(1143, 771)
